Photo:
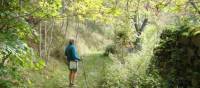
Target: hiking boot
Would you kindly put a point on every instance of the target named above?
(72, 85)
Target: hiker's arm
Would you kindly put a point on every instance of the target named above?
(75, 54)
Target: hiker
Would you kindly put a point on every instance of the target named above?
(72, 60)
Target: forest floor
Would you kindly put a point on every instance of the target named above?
(90, 72)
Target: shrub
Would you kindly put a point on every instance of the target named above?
(110, 49)
(115, 77)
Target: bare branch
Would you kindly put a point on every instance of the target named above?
(135, 23)
(144, 24)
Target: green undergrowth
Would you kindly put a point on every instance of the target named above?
(54, 75)
(133, 73)
(92, 67)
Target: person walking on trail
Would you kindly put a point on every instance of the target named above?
(72, 60)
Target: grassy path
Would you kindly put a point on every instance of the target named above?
(56, 73)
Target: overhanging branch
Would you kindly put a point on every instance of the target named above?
(194, 6)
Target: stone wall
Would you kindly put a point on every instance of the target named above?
(177, 58)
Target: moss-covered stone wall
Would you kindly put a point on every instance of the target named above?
(177, 57)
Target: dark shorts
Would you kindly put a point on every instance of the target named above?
(73, 68)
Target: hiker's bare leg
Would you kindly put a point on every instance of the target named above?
(70, 76)
(73, 76)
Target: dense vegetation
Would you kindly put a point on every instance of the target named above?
(176, 57)
(123, 43)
